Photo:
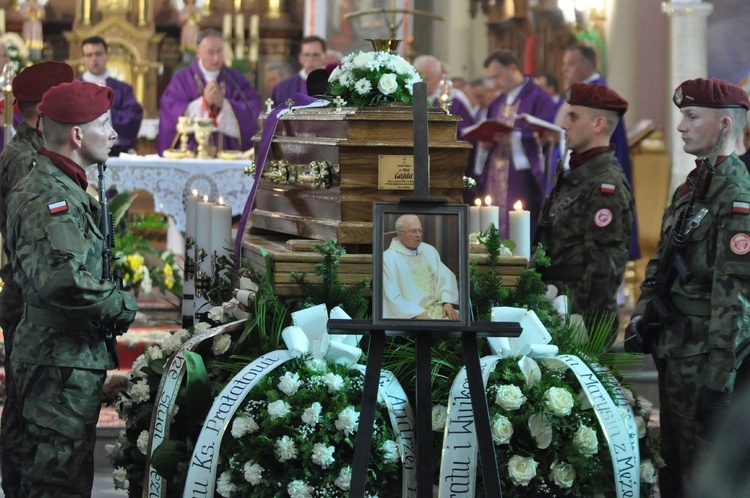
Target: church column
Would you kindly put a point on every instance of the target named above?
(688, 60)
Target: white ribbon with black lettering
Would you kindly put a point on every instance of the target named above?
(623, 448)
(166, 397)
(459, 462)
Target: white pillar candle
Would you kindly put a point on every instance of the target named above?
(239, 34)
(188, 285)
(489, 215)
(519, 230)
(191, 202)
(226, 26)
(203, 243)
(254, 38)
(474, 216)
(221, 229)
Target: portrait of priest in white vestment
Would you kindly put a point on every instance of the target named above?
(416, 283)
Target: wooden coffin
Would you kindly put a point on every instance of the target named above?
(354, 147)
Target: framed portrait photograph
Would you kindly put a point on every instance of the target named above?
(420, 266)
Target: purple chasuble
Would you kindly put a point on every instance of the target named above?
(286, 87)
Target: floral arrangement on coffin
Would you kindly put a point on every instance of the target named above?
(295, 437)
(373, 78)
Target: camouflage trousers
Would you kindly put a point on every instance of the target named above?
(11, 427)
(680, 381)
(60, 407)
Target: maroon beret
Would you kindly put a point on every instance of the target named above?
(76, 103)
(712, 92)
(596, 96)
(31, 83)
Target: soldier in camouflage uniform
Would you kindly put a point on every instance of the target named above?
(702, 364)
(15, 163)
(585, 225)
(60, 355)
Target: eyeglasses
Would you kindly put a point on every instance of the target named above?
(413, 231)
(313, 55)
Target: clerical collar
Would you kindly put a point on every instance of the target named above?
(69, 167)
(592, 78)
(303, 74)
(100, 80)
(512, 95)
(208, 75)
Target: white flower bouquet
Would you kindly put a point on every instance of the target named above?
(373, 78)
(295, 437)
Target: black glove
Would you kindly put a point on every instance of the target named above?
(634, 342)
(711, 407)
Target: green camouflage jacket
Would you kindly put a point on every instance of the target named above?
(56, 251)
(585, 229)
(717, 298)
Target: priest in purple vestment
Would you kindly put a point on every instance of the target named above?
(312, 56)
(515, 169)
(579, 66)
(126, 113)
(209, 89)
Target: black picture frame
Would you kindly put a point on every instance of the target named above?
(445, 229)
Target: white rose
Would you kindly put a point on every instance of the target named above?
(439, 416)
(343, 481)
(554, 365)
(224, 486)
(390, 451)
(522, 470)
(558, 400)
(361, 60)
(502, 429)
(509, 397)
(221, 344)
(289, 383)
(285, 449)
(120, 478)
(312, 414)
(323, 455)
(647, 472)
(243, 425)
(334, 382)
(388, 84)
(348, 421)
(142, 442)
(563, 474)
(253, 473)
(279, 409)
(586, 441)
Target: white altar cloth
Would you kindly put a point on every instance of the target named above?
(171, 180)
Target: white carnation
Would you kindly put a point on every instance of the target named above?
(299, 489)
(348, 421)
(253, 473)
(311, 415)
(154, 353)
(120, 478)
(647, 472)
(221, 344)
(146, 282)
(216, 314)
(142, 442)
(285, 449)
(390, 451)
(289, 383)
(640, 424)
(323, 455)
(334, 382)
(317, 365)
(279, 409)
(140, 392)
(224, 485)
(201, 327)
(343, 481)
(509, 397)
(646, 407)
(243, 425)
(136, 369)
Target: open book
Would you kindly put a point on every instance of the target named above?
(539, 125)
(485, 131)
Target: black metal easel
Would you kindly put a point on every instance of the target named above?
(423, 354)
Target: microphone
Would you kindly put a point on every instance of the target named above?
(317, 83)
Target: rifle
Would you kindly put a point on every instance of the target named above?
(660, 311)
(106, 223)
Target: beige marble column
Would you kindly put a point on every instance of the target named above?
(688, 60)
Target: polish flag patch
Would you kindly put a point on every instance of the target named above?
(57, 207)
(608, 188)
(603, 217)
(741, 207)
(740, 244)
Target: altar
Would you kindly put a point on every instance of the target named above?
(171, 180)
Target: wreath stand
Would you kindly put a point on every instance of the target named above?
(424, 334)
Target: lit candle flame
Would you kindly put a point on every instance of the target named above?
(205, 198)
(518, 206)
(195, 192)
(221, 201)
(477, 202)
(488, 201)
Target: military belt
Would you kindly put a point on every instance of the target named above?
(572, 272)
(42, 317)
(691, 307)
